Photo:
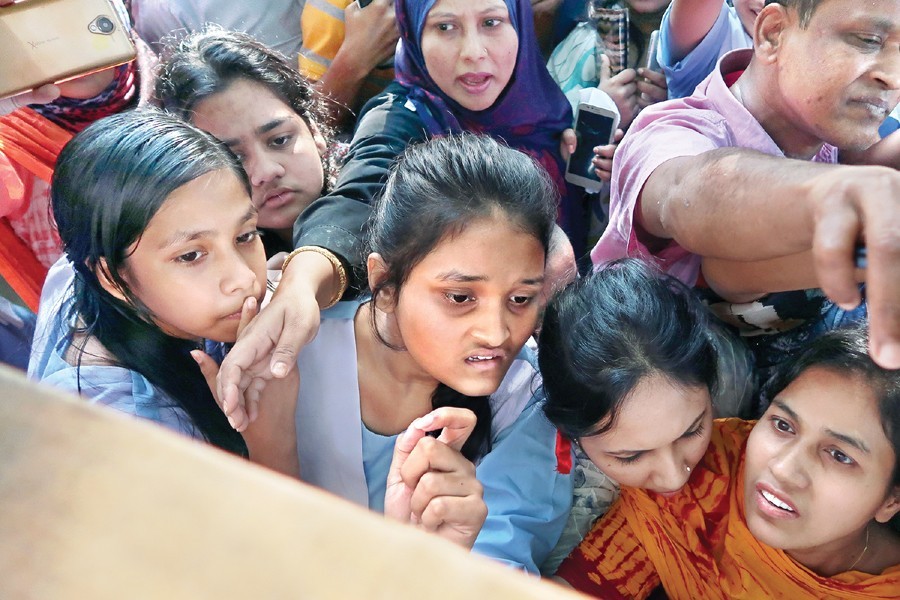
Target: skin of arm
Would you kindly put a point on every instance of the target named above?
(712, 204)
(269, 345)
(741, 205)
(369, 40)
(885, 153)
(689, 22)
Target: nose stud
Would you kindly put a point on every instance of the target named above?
(687, 468)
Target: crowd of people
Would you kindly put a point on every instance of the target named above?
(337, 239)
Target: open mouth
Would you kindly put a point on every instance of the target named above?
(480, 359)
(773, 505)
(475, 82)
(774, 501)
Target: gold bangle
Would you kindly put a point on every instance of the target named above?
(335, 262)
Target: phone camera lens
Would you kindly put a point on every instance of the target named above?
(102, 25)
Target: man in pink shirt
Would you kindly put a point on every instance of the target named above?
(733, 189)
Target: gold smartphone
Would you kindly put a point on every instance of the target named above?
(49, 41)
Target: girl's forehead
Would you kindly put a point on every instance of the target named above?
(672, 409)
(489, 244)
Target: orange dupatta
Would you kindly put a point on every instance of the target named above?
(697, 544)
(33, 142)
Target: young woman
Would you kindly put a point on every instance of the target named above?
(621, 348)
(269, 115)
(802, 505)
(464, 66)
(446, 325)
(161, 253)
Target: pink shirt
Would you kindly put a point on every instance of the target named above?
(712, 118)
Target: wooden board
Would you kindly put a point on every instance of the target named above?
(96, 505)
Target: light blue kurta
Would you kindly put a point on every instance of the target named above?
(119, 388)
(528, 498)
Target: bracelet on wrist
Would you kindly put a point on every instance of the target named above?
(335, 263)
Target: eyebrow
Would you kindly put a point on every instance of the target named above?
(261, 130)
(449, 15)
(879, 23)
(188, 236)
(457, 277)
(690, 428)
(847, 439)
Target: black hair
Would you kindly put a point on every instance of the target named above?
(434, 191)
(845, 351)
(206, 62)
(605, 333)
(804, 8)
(109, 182)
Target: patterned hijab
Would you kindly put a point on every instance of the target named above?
(73, 114)
(529, 115)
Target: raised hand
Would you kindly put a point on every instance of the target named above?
(430, 484)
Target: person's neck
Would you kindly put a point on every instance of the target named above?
(764, 103)
(394, 389)
(842, 555)
(646, 22)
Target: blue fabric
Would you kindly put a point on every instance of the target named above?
(683, 76)
(528, 499)
(16, 331)
(115, 387)
(378, 451)
(891, 124)
(568, 14)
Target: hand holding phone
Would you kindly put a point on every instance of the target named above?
(42, 95)
(594, 126)
(393, 34)
(50, 41)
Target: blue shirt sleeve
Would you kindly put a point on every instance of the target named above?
(125, 391)
(528, 498)
(683, 76)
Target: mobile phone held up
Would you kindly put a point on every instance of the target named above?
(652, 62)
(49, 41)
(594, 126)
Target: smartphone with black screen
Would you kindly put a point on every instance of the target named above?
(594, 126)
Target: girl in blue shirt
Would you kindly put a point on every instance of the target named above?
(161, 253)
(457, 246)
